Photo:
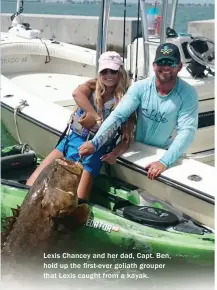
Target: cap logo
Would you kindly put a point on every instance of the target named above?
(112, 57)
(166, 50)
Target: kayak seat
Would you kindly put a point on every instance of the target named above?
(150, 216)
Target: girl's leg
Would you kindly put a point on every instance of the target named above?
(85, 185)
(52, 156)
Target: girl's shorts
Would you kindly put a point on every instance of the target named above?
(91, 163)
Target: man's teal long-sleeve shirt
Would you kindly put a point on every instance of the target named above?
(157, 117)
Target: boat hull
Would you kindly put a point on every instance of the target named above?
(32, 131)
(181, 198)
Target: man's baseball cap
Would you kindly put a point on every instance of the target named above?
(168, 51)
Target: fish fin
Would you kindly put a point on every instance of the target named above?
(81, 213)
(16, 212)
(8, 223)
(74, 219)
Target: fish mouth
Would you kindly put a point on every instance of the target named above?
(74, 167)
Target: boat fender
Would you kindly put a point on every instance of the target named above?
(18, 156)
(150, 216)
(18, 161)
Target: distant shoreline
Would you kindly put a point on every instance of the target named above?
(89, 2)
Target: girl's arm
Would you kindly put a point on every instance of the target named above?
(81, 96)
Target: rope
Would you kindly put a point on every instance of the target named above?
(66, 133)
(48, 58)
(25, 148)
(22, 104)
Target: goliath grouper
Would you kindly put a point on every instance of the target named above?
(51, 201)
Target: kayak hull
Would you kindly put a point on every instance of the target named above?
(110, 228)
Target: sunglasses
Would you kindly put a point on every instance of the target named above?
(167, 62)
(111, 71)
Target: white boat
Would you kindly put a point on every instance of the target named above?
(39, 75)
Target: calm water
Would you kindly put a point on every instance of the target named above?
(184, 13)
(6, 138)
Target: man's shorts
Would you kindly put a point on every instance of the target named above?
(91, 163)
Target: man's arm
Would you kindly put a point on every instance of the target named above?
(121, 113)
(123, 145)
(186, 128)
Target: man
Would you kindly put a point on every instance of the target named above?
(163, 102)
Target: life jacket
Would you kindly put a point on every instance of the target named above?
(77, 128)
(74, 126)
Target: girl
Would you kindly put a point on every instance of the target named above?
(95, 100)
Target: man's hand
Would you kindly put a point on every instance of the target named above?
(110, 158)
(86, 149)
(116, 152)
(155, 169)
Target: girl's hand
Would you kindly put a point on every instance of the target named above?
(87, 121)
(86, 149)
(95, 128)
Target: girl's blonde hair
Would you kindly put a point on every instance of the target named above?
(97, 86)
(120, 89)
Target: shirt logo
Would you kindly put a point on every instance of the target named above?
(166, 50)
(155, 116)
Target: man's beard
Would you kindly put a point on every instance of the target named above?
(164, 79)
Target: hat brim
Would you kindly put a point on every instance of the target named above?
(169, 58)
(108, 65)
